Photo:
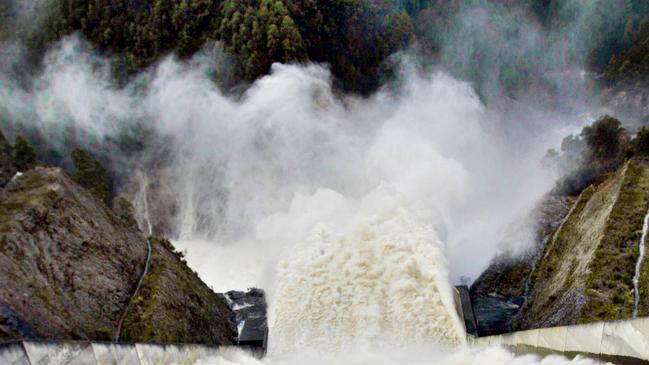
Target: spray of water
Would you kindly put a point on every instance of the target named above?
(383, 280)
(415, 356)
(355, 214)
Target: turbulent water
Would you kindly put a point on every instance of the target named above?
(103, 353)
(414, 356)
(384, 281)
(354, 214)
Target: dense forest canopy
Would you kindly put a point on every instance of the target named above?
(354, 37)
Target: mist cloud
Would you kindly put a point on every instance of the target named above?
(237, 163)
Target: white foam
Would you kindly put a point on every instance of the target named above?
(387, 356)
(383, 281)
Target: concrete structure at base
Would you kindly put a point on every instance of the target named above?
(621, 342)
(93, 353)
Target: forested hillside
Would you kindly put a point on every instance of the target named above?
(355, 37)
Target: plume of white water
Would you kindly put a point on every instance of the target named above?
(382, 281)
(187, 215)
(638, 265)
(345, 211)
(410, 355)
(141, 203)
(199, 355)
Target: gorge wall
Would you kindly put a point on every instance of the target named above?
(586, 270)
(69, 266)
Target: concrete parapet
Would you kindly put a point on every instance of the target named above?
(586, 338)
(115, 354)
(624, 342)
(633, 343)
(105, 353)
(59, 353)
(13, 353)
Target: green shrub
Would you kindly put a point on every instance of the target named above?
(91, 174)
(604, 138)
(641, 142)
(24, 155)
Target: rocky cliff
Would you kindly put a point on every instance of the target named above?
(67, 264)
(497, 295)
(174, 305)
(585, 271)
(69, 267)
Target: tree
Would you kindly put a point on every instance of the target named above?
(399, 30)
(91, 174)
(24, 155)
(604, 138)
(641, 142)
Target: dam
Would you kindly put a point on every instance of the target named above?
(619, 342)
(91, 353)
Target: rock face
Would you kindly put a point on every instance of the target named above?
(67, 264)
(69, 267)
(585, 272)
(250, 315)
(497, 295)
(174, 305)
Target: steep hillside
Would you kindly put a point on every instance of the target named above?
(174, 305)
(69, 267)
(585, 272)
(67, 264)
(501, 289)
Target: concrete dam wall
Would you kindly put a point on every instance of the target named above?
(93, 353)
(621, 342)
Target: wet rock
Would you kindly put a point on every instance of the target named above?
(250, 315)
(67, 264)
(500, 291)
(174, 306)
(13, 326)
(69, 267)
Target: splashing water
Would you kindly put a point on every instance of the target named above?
(141, 203)
(344, 211)
(384, 281)
(413, 355)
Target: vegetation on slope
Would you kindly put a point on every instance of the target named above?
(610, 281)
(65, 251)
(91, 174)
(585, 273)
(174, 306)
(24, 155)
(590, 156)
(69, 265)
(7, 165)
(355, 37)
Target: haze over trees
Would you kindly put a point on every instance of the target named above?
(354, 37)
